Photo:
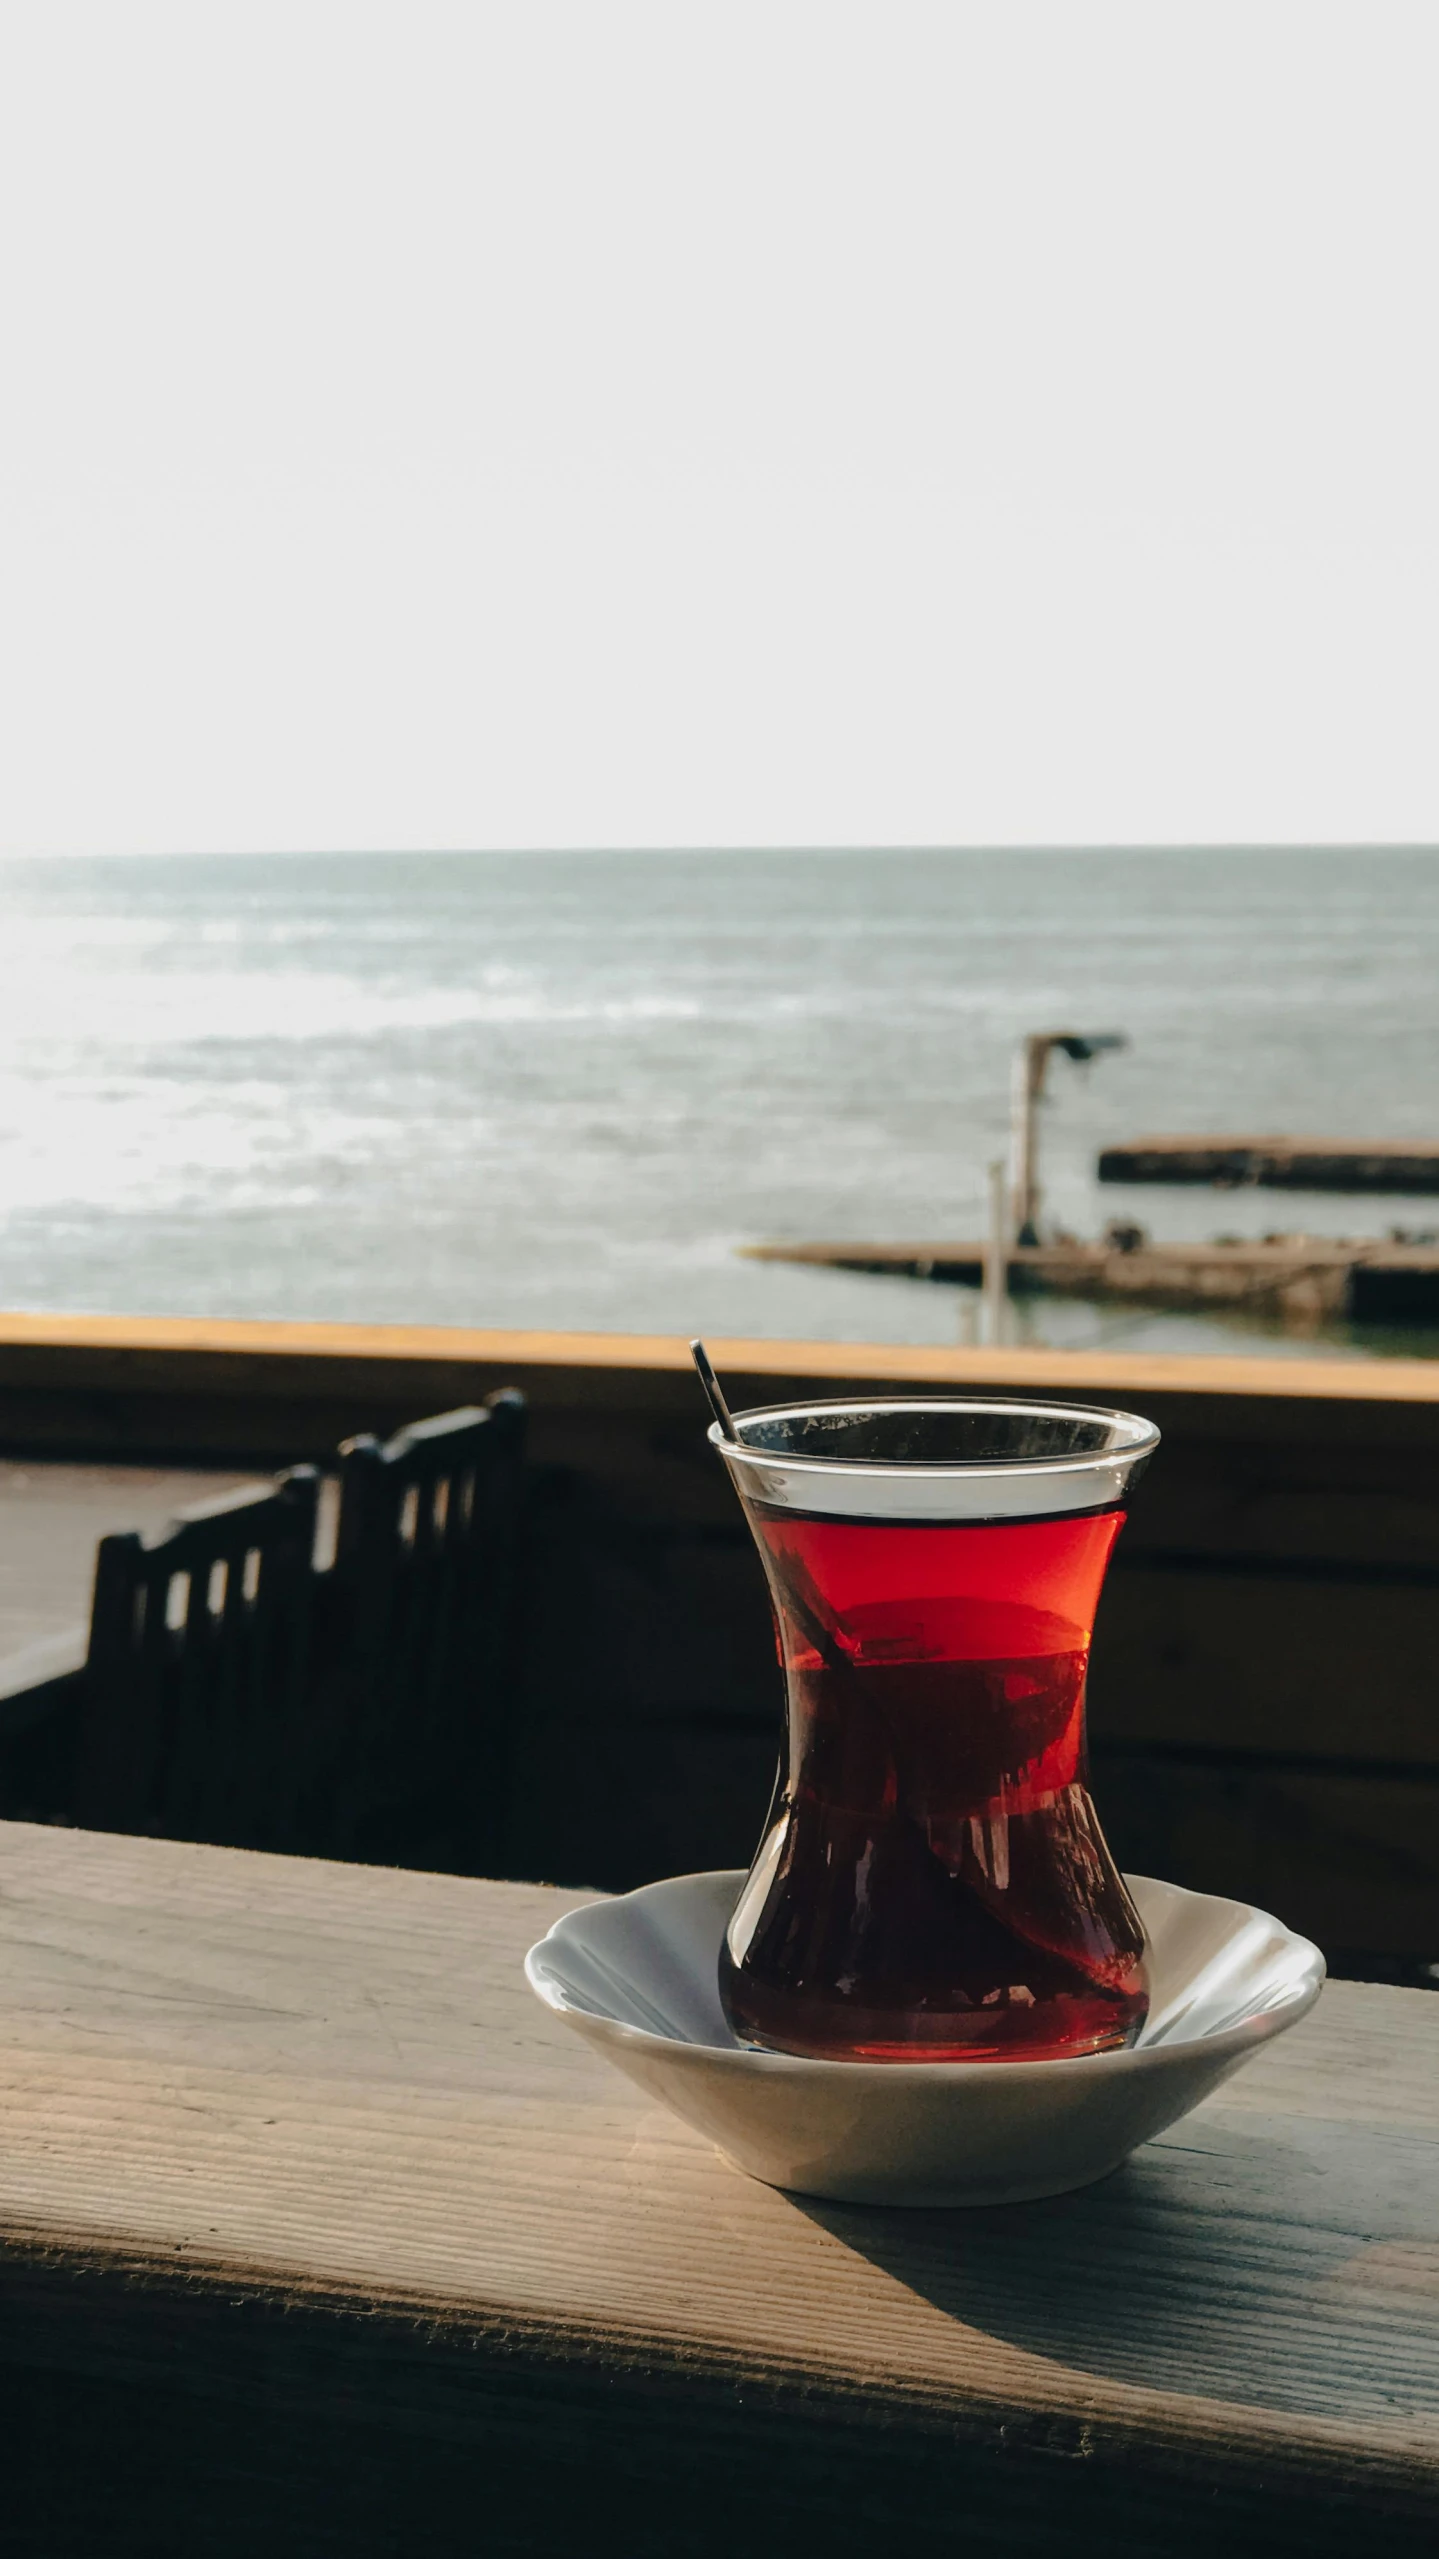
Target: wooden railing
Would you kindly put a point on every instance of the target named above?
(1265, 1691)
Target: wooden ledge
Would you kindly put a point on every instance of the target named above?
(318, 2227)
(152, 1337)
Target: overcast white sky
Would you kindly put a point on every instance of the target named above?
(783, 421)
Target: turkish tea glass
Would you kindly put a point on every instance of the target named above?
(933, 1884)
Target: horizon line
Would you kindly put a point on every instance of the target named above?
(698, 852)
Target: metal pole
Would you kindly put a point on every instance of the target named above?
(996, 1259)
(1031, 1058)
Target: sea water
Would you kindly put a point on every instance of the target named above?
(565, 1089)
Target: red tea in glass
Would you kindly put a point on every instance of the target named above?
(933, 1884)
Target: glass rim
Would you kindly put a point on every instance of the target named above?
(860, 1484)
(1130, 1434)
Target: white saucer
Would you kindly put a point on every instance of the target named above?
(638, 1978)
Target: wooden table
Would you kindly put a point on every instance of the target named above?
(321, 2235)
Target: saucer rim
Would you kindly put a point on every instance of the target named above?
(1236, 2040)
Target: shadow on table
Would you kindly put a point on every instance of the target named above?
(1292, 2268)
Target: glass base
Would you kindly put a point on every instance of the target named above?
(815, 2031)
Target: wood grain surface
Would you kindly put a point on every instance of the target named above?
(320, 2233)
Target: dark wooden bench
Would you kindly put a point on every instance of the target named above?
(420, 1639)
(237, 1692)
(197, 1683)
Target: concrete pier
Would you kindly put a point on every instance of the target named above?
(1303, 1279)
(1396, 1165)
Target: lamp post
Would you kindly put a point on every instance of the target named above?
(1031, 1067)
